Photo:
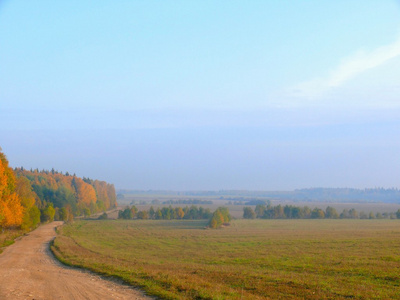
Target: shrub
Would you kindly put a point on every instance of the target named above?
(103, 216)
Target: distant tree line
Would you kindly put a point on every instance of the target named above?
(297, 212)
(220, 217)
(166, 213)
(189, 201)
(250, 202)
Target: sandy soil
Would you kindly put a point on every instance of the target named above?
(28, 270)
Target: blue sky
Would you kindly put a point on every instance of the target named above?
(265, 95)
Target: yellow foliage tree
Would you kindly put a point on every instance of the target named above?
(31, 216)
(11, 210)
(85, 192)
(180, 213)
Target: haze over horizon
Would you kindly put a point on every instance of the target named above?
(179, 95)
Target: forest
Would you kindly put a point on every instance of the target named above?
(30, 197)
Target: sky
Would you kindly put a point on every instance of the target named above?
(204, 95)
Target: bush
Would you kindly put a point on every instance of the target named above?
(125, 214)
(103, 216)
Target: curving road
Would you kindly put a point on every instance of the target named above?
(28, 270)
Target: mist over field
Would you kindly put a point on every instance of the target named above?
(203, 96)
(199, 149)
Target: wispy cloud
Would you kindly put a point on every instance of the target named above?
(346, 70)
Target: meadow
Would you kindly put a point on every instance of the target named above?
(250, 259)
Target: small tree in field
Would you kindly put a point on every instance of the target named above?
(219, 217)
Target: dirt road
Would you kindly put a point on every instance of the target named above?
(28, 270)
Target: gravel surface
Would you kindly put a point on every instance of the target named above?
(28, 270)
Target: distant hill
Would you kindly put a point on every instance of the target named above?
(309, 194)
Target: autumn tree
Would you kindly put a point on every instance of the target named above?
(219, 217)
(11, 209)
(179, 212)
(31, 216)
(85, 192)
(217, 220)
(134, 211)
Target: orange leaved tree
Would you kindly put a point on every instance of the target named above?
(11, 210)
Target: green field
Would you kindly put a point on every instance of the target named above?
(251, 259)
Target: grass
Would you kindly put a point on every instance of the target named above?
(8, 236)
(251, 259)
